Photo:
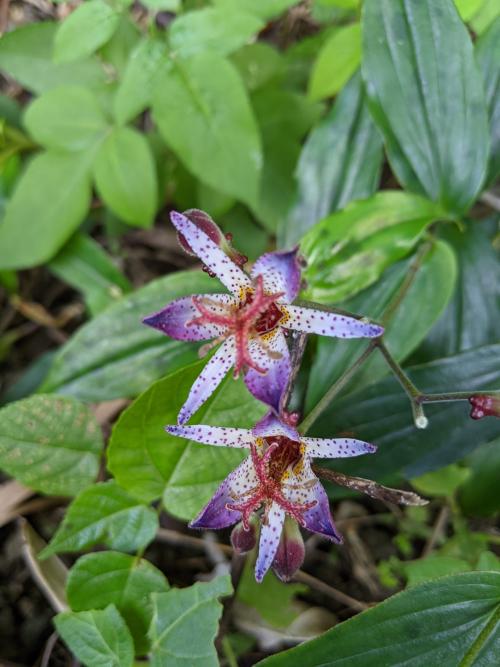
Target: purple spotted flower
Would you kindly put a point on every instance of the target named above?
(275, 481)
(249, 323)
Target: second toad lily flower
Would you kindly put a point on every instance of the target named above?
(249, 323)
(277, 477)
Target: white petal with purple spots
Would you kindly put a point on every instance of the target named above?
(269, 388)
(218, 436)
(174, 319)
(208, 380)
(325, 323)
(211, 255)
(270, 534)
(336, 448)
(280, 272)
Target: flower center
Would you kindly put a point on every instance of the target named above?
(256, 315)
(281, 454)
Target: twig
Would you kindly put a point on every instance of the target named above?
(437, 530)
(371, 488)
(49, 647)
(490, 200)
(179, 539)
(320, 586)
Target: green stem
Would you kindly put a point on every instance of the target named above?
(228, 652)
(453, 396)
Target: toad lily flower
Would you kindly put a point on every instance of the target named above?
(249, 323)
(277, 477)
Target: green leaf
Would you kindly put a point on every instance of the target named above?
(84, 265)
(467, 8)
(410, 322)
(50, 443)
(489, 12)
(381, 414)
(49, 203)
(264, 9)
(445, 621)
(125, 176)
(479, 494)
(97, 638)
(203, 113)
(433, 567)
(67, 117)
(26, 54)
(349, 250)
(86, 29)
(488, 57)
(414, 91)
(340, 161)
(100, 579)
(144, 66)
(115, 355)
(118, 49)
(337, 61)
(176, 614)
(442, 482)
(470, 320)
(106, 514)
(258, 64)
(210, 29)
(147, 461)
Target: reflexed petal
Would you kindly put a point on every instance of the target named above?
(214, 435)
(272, 425)
(270, 534)
(269, 387)
(174, 319)
(208, 380)
(305, 487)
(291, 551)
(336, 448)
(324, 323)
(215, 514)
(281, 273)
(211, 255)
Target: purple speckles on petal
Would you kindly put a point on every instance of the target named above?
(271, 425)
(270, 534)
(218, 436)
(269, 388)
(336, 448)
(211, 255)
(281, 273)
(310, 320)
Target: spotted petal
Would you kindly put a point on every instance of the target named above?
(208, 380)
(324, 323)
(304, 487)
(280, 272)
(269, 387)
(211, 255)
(214, 435)
(336, 448)
(174, 320)
(215, 514)
(270, 534)
(271, 425)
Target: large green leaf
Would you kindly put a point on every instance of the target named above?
(85, 266)
(147, 461)
(115, 355)
(488, 56)
(430, 109)
(104, 513)
(338, 59)
(109, 577)
(185, 624)
(50, 443)
(67, 117)
(381, 414)
(90, 26)
(97, 638)
(340, 161)
(471, 318)
(203, 113)
(212, 29)
(449, 622)
(125, 176)
(264, 9)
(479, 493)
(26, 54)
(49, 203)
(420, 307)
(348, 250)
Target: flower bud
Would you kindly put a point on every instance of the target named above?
(291, 551)
(484, 405)
(244, 540)
(204, 222)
